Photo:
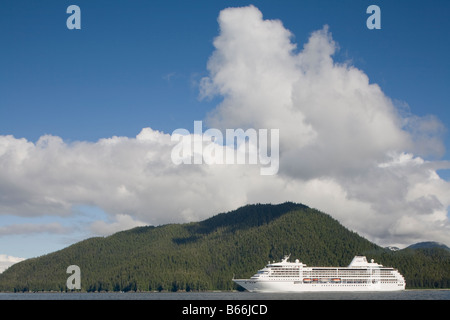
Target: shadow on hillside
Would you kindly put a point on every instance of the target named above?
(243, 218)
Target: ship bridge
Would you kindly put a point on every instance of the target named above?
(285, 263)
(361, 261)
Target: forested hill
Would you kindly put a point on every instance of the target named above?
(205, 255)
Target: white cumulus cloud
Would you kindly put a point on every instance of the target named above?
(345, 148)
(336, 127)
(6, 261)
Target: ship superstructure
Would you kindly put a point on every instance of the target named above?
(360, 275)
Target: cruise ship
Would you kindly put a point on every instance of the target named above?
(360, 275)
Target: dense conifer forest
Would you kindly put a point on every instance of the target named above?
(206, 255)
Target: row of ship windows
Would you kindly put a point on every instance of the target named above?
(335, 274)
(334, 270)
(361, 275)
(347, 271)
(353, 283)
(342, 280)
(343, 283)
(345, 275)
(331, 271)
(328, 273)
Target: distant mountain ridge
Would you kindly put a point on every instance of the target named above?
(205, 255)
(428, 245)
(392, 248)
(421, 245)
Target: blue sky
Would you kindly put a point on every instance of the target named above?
(138, 64)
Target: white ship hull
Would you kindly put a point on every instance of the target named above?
(360, 275)
(297, 286)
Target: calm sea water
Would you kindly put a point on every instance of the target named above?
(401, 295)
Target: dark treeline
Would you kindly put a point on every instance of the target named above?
(206, 255)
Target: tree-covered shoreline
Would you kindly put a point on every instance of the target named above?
(206, 255)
